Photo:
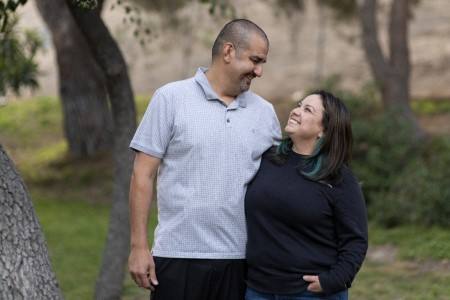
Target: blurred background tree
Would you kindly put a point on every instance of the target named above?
(83, 93)
(18, 68)
(25, 266)
(391, 71)
(404, 181)
(108, 57)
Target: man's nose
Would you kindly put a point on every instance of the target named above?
(258, 70)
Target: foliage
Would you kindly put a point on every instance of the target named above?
(384, 146)
(144, 28)
(344, 10)
(431, 106)
(224, 7)
(86, 4)
(420, 194)
(288, 7)
(8, 7)
(403, 182)
(17, 58)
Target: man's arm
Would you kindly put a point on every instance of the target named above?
(140, 261)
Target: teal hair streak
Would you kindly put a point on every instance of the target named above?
(284, 147)
(316, 159)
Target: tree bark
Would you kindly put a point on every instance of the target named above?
(110, 59)
(82, 86)
(391, 73)
(25, 269)
(320, 44)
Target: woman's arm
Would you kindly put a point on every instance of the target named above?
(352, 235)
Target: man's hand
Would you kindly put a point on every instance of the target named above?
(142, 268)
(314, 283)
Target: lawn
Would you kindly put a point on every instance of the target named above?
(72, 201)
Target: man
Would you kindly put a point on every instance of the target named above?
(204, 136)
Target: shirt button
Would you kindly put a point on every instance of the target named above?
(228, 120)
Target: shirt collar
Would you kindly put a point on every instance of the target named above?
(210, 94)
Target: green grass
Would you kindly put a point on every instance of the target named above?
(72, 201)
(400, 282)
(75, 232)
(414, 242)
(431, 107)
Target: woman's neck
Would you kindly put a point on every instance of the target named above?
(303, 147)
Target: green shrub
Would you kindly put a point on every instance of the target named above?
(383, 143)
(420, 194)
(383, 147)
(403, 182)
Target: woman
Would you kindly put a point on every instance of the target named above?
(306, 217)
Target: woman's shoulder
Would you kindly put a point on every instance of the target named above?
(271, 154)
(349, 187)
(346, 178)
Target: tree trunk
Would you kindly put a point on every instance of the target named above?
(108, 56)
(391, 74)
(320, 43)
(25, 269)
(295, 26)
(82, 86)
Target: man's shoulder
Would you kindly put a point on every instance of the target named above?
(175, 88)
(257, 100)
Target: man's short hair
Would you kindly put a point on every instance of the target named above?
(238, 33)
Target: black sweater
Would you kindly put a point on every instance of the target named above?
(300, 227)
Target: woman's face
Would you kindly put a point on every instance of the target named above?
(305, 121)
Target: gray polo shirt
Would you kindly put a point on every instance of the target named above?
(209, 153)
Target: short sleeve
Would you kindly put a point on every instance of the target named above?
(275, 127)
(155, 130)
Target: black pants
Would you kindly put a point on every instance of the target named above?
(199, 279)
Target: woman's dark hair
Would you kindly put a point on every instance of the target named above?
(333, 150)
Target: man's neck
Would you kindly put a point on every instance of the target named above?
(220, 84)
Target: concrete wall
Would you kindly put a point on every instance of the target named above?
(292, 62)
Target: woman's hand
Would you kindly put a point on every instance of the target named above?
(314, 283)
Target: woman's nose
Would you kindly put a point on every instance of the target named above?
(296, 111)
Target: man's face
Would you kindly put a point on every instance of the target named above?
(247, 64)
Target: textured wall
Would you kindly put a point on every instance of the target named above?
(291, 66)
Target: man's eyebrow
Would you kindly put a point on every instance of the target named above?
(258, 58)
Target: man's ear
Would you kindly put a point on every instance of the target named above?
(228, 52)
